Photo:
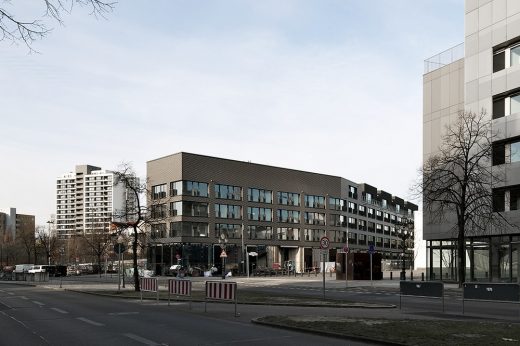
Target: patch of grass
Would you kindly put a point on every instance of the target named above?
(407, 332)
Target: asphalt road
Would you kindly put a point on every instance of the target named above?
(40, 316)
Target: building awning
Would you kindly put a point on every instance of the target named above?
(290, 246)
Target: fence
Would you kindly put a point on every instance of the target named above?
(491, 292)
(218, 290)
(149, 285)
(424, 289)
(179, 287)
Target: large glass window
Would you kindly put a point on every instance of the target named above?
(188, 229)
(158, 230)
(352, 192)
(515, 104)
(159, 191)
(352, 207)
(189, 188)
(315, 201)
(289, 198)
(336, 220)
(260, 232)
(259, 195)
(515, 55)
(158, 211)
(313, 234)
(231, 231)
(515, 152)
(287, 233)
(228, 211)
(514, 194)
(290, 216)
(228, 192)
(336, 203)
(188, 208)
(260, 214)
(314, 218)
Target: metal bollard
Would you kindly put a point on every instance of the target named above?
(422, 276)
(391, 275)
(411, 275)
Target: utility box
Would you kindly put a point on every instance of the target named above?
(358, 266)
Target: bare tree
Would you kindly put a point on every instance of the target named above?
(48, 243)
(26, 238)
(457, 182)
(135, 215)
(29, 30)
(99, 243)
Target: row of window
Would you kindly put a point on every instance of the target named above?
(505, 199)
(234, 231)
(506, 152)
(504, 58)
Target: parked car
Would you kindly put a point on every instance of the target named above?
(37, 269)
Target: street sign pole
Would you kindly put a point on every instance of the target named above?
(324, 276)
(371, 282)
(324, 246)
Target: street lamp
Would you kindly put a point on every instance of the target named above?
(404, 231)
(49, 237)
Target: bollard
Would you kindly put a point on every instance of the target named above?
(309, 272)
(422, 276)
(411, 275)
(391, 275)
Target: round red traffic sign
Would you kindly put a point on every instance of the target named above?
(346, 249)
(324, 243)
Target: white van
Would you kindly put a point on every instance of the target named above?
(37, 269)
(22, 268)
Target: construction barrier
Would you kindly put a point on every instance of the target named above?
(149, 285)
(491, 292)
(179, 287)
(221, 290)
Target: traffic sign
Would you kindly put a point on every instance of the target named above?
(324, 243)
(371, 249)
(223, 254)
(346, 249)
(177, 256)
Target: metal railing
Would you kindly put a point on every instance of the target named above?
(444, 58)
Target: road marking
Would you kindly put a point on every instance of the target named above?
(59, 310)
(11, 293)
(86, 320)
(24, 297)
(123, 313)
(140, 339)
(38, 303)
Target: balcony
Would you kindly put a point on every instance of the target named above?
(444, 58)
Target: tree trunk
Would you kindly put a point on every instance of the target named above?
(136, 271)
(461, 245)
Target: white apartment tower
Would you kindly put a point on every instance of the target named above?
(483, 73)
(87, 201)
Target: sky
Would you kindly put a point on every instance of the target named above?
(328, 86)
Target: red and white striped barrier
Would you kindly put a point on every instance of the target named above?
(221, 290)
(179, 287)
(149, 285)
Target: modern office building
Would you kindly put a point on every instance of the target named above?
(483, 73)
(13, 223)
(200, 204)
(87, 201)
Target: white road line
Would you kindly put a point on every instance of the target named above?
(140, 339)
(38, 303)
(23, 297)
(59, 310)
(86, 320)
(123, 313)
(11, 293)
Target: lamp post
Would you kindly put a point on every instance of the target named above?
(49, 237)
(404, 232)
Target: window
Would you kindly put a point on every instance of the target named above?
(259, 214)
(352, 207)
(370, 212)
(352, 222)
(313, 234)
(515, 151)
(514, 198)
(315, 201)
(368, 197)
(336, 220)
(314, 218)
(338, 236)
(158, 230)
(384, 203)
(290, 216)
(159, 191)
(188, 229)
(260, 232)
(227, 211)
(336, 203)
(231, 231)
(158, 211)
(259, 195)
(362, 225)
(352, 192)
(188, 188)
(189, 208)
(289, 198)
(499, 61)
(287, 233)
(228, 192)
(505, 58)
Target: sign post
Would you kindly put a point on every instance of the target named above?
(324, 245)
(371, 250)
(346, 250)
(119, 248)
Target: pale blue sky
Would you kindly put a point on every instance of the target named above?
(332, 87)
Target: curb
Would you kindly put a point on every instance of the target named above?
(324, 333)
